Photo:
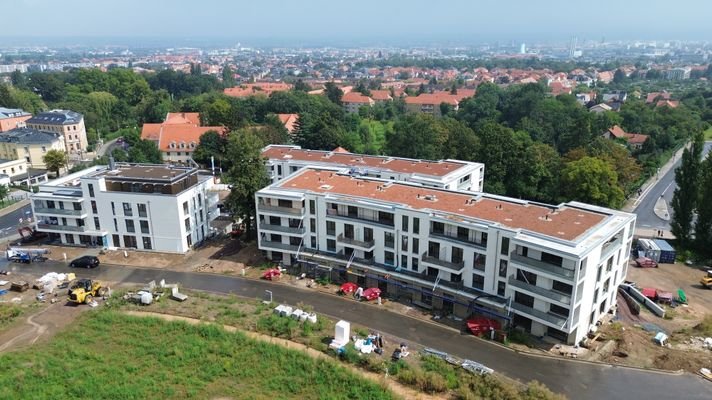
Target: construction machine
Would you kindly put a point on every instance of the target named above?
(706, 280)
(84, 291)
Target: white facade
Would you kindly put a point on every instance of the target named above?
(283, 160)
(146, 207)
(449, 248)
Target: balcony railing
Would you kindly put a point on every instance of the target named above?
(560, 322)
(68, 228)
(459, 240)
(58, 211)
(457, 267)
(283, 229)
(550, 294)
(279, 245)
(281, 210)
(541, 265)
(609, 248)
(361, 244)
(355, 217)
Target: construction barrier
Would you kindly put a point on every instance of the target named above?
(652, 306)
(633, 305)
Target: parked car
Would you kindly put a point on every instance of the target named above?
(85, 262)
(645, 262)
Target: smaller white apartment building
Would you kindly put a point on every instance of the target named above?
(283, 160)
(549, 269)
(140, 206)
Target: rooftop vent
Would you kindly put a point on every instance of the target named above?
(431, 197)
(325, 187)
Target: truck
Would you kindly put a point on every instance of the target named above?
(84, 291)
(706, 280)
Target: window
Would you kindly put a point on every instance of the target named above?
(312, 225)
(185, 207)
(527, 277)
(130, 241)
(142, 210)
(503, 268)
(113, 208)
(313, 242)
(93, 206)
(504, 249)
(312, 207)
(414, 263)
(189, 240)
(404, 243)
(500, 288)
(478, 281)
(91, 190)
(144, 226)
(438, 227)
(404, 223)
(147, 243)
(558, 310)
(130, 226)
(598, 274)
(416, 245)
(388, 240)
(116, 225)
(77, 206)
(127, 210)
(457, 255)
(404, 261)
(606, 284)
(416, 225)
(609, 264)
(426, 299)
(524, 299)
(562, 287)
(349, 231)
(116, 240)
(186, 222)
(330, 228)
(480, 262)
(331, 245)
(388, 258)
(367, 234)
(96, 223)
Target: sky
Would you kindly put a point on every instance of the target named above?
(358, 21)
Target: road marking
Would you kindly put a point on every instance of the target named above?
(666, 189)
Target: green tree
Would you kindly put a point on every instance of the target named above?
(416, 136)
(4, 191)
(333, 93)
(703, 223)
(499, 151)
(18, 79)
(301, 86)
(210, 144)
(591, 180)
(318, 132)
(228, 76)
(619, 76)
(247, 175)
(685, 197)
(54, 160)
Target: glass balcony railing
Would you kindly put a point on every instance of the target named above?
(541, 265)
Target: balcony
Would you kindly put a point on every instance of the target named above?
(549, 294)
(65, 228)
(360, 244)
(282, 229)
(608, 248)
(354, 217)
(451, 266)
(558, 321)
(459, 240)
(270, 245)
(541, 265)
(280, 210)
(58, 211)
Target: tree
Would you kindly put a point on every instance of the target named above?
(210, 144)
(593, 181)
(247, 175)
(703, 224)
(228, 76)
(54, 160)
(318, 132)
(301, 86)
(416, 136)
(4, 191)
(18, 79)
(619, 76)
(684, 199)
(333, 93)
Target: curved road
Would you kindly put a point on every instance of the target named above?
(577, 380)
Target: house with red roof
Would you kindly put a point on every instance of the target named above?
(257, 89)
(667, 103)
(178, 135)
(635, 140)
(380, 96)
(657, 96)
(289, 121)
(353, 101)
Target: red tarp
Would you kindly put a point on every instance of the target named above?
(664, 296)
(348, 287)
(645, 262)
(271, 273)
(372, 293)
(649, 293)
(481, 325)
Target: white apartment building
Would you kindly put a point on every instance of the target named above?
(283, 160)
(141, 206)
(552, 270)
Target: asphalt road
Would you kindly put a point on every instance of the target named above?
(577, 380)
(664, 187)
(9, 222)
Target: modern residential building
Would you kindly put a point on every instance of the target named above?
(353, 101)
(30, 145)
(18, 172)
(141, 206)
(283, 160)
(68, 124)
(678, 74)
(11, 118)
(551, 270)
(177, 136)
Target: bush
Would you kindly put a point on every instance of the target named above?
(278, 326)
(431, 382)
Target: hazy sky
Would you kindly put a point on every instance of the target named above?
(466, 21)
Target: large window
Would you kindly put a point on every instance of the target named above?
(144, 226)
(416, 245)
(130, 226)
(147, 243)
(127, 210)
(503, 268)
(330, 228)
(331, 245)
(478, 281)
(404, 223)
(130, 241)
(142, 210)
(504, 250)
(479, 262)
(96, 223)
(93, 206)
(91, 189)
(389, 258)
(388, 240)
(416, 225)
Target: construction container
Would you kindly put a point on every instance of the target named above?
(648, 248)
(667, 252)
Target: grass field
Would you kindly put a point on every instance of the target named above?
(109, 355)
(708, 134)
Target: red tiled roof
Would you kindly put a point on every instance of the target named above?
(432, 98)
(177, 128)
(355, 97)
(381, 95)
(632, 138)
(340, 150)
(257, 88)
(618, 132)
(563, 222)
(654, 95)
(183, 118)
(667, 103)
(289, 121)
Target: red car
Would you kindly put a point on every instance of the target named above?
(371, 293)
(270, 274)
(480, 325)
(645, 262)
(348, 288)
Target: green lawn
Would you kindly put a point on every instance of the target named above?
(708, 134)
(109, 355)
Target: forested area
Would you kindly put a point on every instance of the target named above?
(533, 145)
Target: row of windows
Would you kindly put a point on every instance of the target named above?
(131, 243)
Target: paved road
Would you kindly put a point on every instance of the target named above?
(664, 187)
(9, 222)
(577, 380)
(107, 148)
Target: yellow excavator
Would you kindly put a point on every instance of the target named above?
(706, 280)
(84, 291)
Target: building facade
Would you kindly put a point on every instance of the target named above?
(551, 270)
(68, 124)
(11, 118)
(283, 160)
(139, 206)
(177, 136)
(29, 145)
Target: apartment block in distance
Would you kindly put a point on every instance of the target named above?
(550, 270)
(283, 160)
(138, 206)
(11, 118)
(68, 124)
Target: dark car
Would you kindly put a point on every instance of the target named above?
(85, 262)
